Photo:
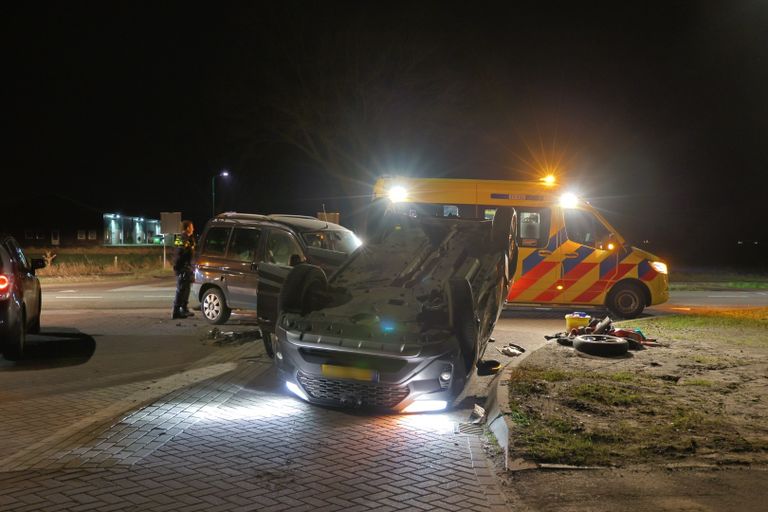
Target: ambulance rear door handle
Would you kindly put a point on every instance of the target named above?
(571, 255)
(544, 252)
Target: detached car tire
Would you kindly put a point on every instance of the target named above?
(214, 306)
(626, 300)
(600, 345)
(296, 293)
(502, 229)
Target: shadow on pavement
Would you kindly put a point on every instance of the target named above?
(54, 348)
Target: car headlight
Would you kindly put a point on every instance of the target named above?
(659, 266)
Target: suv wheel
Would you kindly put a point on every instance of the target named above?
(214, 307)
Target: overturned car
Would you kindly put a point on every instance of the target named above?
(403, 323)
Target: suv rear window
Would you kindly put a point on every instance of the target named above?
(215, 243)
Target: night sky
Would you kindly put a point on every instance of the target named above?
(656, 112)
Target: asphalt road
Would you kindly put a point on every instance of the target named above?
(158, 293)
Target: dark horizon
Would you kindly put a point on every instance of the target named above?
(655, 114)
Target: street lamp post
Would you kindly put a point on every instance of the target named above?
(213, 191)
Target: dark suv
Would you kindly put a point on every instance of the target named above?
(233, 245)
(20, 297)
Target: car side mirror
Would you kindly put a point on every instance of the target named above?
(296, 259)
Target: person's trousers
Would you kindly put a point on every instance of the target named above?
(183, 287)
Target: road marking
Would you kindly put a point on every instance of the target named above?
(141, 288)
(67, 291)
(744, 295)
(682, 309)
(78, 297)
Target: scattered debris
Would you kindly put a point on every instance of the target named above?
(635, 339)
(511, 350)
(478, 415)
(220, 337)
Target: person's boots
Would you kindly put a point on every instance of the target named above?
(177, 313)
(186, 312)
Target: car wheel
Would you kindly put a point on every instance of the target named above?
(214, 306)
(600, 345)
(502, 228)
(269, 343)
(296, 293)
(34, 327)
(378, 220)
(626, 300)
(13, 347)
(463, 320)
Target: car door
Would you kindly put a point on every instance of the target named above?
(271, 279)
(591, 262)
(25, 272)
(244, 253)
(282, 249)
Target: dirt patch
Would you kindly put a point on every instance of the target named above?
(683, 426)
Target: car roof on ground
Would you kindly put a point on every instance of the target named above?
(297, 222)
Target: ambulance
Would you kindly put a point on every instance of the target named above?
(568, 253)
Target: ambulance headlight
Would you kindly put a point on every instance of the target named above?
(398, 194)
(569, 200)
(659, 266)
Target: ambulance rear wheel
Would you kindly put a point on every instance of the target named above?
(626, 300)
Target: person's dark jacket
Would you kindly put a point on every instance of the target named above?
(182, 261)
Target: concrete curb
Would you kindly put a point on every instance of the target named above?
(497, 405)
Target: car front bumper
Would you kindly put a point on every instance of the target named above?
(327, 374)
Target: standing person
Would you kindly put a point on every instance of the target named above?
(182, 267)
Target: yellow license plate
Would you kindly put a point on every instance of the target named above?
(346, 372)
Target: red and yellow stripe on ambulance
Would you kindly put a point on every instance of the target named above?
(568, 253)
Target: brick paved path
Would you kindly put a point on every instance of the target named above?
(234, 440)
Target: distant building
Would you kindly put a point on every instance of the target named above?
(60, 221)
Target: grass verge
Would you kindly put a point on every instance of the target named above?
(700, 396)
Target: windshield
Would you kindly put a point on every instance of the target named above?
(342, 241)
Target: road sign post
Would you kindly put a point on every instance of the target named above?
(170, 223)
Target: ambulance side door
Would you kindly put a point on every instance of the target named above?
(537, 241)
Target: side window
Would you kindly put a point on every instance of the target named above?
(215, 242)
(533, 227)
(244, 245)
(19, 255)
(582, 227)
(280, 247)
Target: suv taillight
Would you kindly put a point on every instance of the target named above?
(5, 286)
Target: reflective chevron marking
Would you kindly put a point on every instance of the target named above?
(530, 278)
(602, 284)
(568, 281)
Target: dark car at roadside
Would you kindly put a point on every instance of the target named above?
(233, 245)
(20, 297)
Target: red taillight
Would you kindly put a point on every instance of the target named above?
(5, 283)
